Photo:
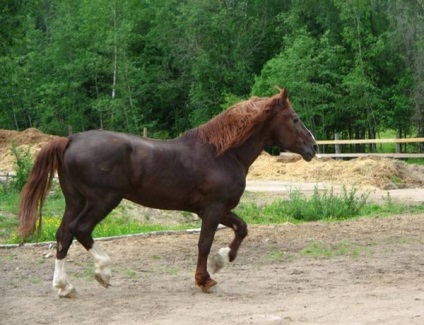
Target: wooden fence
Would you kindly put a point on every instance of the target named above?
(6, 176)
(397, 154)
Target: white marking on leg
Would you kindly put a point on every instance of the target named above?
(102, 261)
(61, 282)
(220, 259)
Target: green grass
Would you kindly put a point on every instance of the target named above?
(111, 226)
(325, 205)
(318, 249)
(415, 161)
(320, 206)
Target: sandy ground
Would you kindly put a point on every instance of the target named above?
(364, 271)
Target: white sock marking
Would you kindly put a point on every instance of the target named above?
(225, 253)
(60, 280)
(220, 259)
(101, 258)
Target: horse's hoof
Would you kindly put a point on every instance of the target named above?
(209, 284)
(68, 292)
(102, 279)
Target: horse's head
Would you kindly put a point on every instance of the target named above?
(288, 131)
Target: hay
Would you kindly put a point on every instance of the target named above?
(365, 172)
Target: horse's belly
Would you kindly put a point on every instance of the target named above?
(165, 199)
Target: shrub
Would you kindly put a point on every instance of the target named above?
(23, 166)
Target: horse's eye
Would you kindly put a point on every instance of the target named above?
(296, 119)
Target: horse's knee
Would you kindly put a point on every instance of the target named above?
(64, 240)
(242, 230)
(82, 234)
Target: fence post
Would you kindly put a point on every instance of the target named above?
(398, 145)
(145, 132)
(338, 147)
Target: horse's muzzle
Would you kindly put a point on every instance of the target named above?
(310, 152)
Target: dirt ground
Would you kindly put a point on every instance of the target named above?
(362, 271)
(365, 271)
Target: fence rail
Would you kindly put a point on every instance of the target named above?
(367, 141)
(338, 154)
(6, 176)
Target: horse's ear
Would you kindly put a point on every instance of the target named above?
(280, 99)
(283, 95)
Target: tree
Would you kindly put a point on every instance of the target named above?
(351, 66)
(407, 38)
(308, 68)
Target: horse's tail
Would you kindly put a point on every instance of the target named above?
(33, 194)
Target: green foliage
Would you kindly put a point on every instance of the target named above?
(112, 226)
(7, 223)
(320, 206)
(352, 67)
(336, 207)
(23, 166)
(326, 206)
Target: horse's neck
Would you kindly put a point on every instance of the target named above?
(247, 153)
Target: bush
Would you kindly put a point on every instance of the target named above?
(326, 205)
(320, 206)
(23, 166)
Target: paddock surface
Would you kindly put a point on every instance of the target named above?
(364, 271)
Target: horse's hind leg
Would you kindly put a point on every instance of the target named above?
(102, 271)
(64, 240)
(228, 254)
(94, 211)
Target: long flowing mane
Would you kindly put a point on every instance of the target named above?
(234, 125)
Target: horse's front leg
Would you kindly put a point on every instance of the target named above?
(207, 234)
(228, 254)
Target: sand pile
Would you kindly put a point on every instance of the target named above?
(30, 139)
(364, 172)
(371, 171)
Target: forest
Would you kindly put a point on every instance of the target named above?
(353, 67)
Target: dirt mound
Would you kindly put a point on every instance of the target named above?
(30, 139)
(371, 171)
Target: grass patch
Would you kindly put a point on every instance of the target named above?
(7, 223)
(325, 205)
(415, 161)
(111, 226)
(276, 255)
(319, 249)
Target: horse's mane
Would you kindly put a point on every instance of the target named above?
(234, 125)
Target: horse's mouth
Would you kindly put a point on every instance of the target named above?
(309, 154)
(308, 157)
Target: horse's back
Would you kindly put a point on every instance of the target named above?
(128, 162)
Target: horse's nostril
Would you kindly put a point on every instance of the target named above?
(315, 147)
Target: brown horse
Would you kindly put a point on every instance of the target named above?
(203, 171)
